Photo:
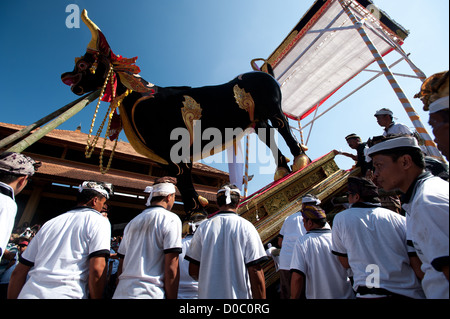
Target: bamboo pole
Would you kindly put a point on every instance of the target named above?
(246, 165)
(415, 119)
(60, 116)
(18, 135)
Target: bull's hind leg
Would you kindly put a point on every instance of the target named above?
(266, 135)
(301, 160)
(281, 123)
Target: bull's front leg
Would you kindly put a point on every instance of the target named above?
(193, 203)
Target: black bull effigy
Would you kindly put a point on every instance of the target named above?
(149, 114)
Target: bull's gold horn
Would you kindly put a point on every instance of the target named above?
(94, 30)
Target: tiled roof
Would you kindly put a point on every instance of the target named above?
(65, 171)
(124, 149)
(71, 172)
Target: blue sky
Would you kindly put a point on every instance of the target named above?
(198, 43)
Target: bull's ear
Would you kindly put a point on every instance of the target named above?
(103, 46)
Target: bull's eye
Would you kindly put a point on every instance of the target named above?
(82, 65)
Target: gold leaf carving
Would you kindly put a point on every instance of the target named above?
(245, 101)
(191, 112)
(275, 203)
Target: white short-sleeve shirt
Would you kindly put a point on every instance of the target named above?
(325, 276)
(224, 246)
(427, 218)
(8, 211)
(397, 128)
(59, 254)
(188, 288)
(374, 238)
(291, 231)
(147, 238)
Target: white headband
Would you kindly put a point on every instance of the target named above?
(163, 189)
(439, 105)
(394, 143)
(94, 186)
(384, 112)
(195, 225)
(308, 199)
(228, 191)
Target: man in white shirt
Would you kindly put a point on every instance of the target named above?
(226, 253)
(385, 118)
(434, 93)
(188, 288)
(371, 240)
(15, 171)
(67, 257)
(150, 248)
(313, 265)
(439, 117)
(399, 164)
(290, 232)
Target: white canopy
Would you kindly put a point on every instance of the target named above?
(325, 51)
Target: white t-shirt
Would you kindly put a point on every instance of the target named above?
(188, 288)
(397, 128)
(325, 276)
(146, 239)
(291, 231)
(60, 253)
(225, 246)
(8, 211)
(427, 221)
(374, 240)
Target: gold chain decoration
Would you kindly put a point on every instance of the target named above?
(115, 103)
(91, 145)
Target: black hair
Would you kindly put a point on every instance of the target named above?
(235, 197)
(87, 195)
(319, 222)
(444, 114)
(157, 199)
(9, 178)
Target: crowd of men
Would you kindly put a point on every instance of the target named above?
(369, 252)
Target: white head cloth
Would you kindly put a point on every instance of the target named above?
(94, 186)
(406, 141)
(384, 111)
(163, 189)
(195, 225)
(19, 164)
(311, 199)
(228, 191)
(439, 105)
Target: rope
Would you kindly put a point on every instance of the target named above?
(301, 131)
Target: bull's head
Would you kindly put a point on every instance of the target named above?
(91, 69)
